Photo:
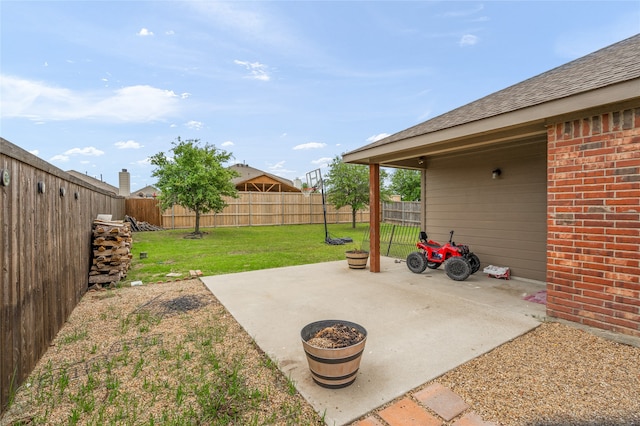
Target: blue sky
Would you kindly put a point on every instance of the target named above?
(284, 86)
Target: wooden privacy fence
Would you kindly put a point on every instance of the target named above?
(45, 256)
(402, 213)
(249, 209)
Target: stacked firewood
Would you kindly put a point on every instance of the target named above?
(138, 225)
(111, 251)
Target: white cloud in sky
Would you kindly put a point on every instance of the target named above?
(468, 40)
(170, 32)
(144, 162)
(377, 137)
(130, 144)
(257, 71)
(194, 125)
(322, 162)
(227, 143)
(145, 32)
(479, 7)
(88, 151)
(310, 145)
(59, 158)
(279, 169)
(38, 101)
(34, 151)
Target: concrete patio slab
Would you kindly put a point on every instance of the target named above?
(419, 325)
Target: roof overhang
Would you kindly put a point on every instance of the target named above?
(520, 125)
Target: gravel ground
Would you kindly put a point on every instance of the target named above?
(555, 375)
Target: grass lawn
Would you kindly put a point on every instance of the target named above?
(228, 250)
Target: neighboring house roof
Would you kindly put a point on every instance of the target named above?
(93, 181)
(252, 179)
(148, 191)
(609, 75)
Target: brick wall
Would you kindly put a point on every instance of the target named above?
(593, 221)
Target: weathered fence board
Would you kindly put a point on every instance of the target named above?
(249, 209)
(45, 250)
(260, 208)
(402, 212)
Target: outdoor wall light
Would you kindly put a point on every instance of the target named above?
(63, 191)
(41, 187)
(5, 177)
(76, 195)
(495, 174)
(421, 160)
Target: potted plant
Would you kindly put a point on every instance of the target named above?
(357, 258)
(334, 349)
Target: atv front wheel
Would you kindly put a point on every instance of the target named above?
(416, 262)
(474, 261)
(457, 268)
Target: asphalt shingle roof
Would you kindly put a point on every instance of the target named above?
(617, 63)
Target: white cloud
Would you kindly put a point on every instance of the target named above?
(38, 101)
(377, 137)
(144, 162)
(227, 143)
(279, 169)
(310, 145)
(322, 162)
(59, 158)
(465, 12)
(145, 32)
(468, 40)
(170, 32)
(185, 95)
(257, 71)
(194, 125)
(34, 152)
(130, 144)
(88, 151)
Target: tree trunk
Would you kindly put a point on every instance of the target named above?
(353, 218)
(197, 230)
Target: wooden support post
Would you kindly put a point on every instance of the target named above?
(374, 217)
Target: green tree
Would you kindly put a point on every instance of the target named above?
(194, 177)
(348, 185)
(406, 183)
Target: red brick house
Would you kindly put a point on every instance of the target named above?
(543, 177)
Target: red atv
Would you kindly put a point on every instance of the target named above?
(458, 261)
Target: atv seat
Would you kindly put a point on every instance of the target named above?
(425, 240)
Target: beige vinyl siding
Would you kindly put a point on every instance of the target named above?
(502, 220)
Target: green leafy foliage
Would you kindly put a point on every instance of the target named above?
(348, 185)
(194, 177)
(406, 183)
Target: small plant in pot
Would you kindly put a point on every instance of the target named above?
(357, 258)
(334, 349)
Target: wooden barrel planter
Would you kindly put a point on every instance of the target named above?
(333, 368)
(357, 259)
